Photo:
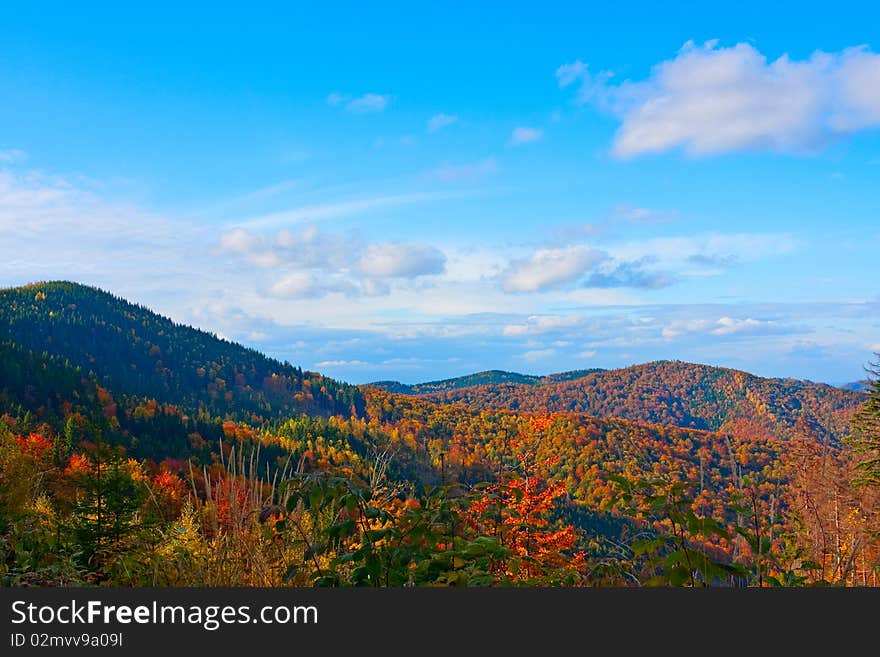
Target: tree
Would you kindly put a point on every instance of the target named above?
(865, 439)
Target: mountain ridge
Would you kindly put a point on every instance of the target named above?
(133, 350)
(670, 392)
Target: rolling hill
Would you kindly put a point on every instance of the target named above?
(669, 392)
(83, 372)
(131, 350)
(489, 377)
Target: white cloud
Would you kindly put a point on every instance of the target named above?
(249, 246)
(365, 104)
(440, 121)
(12, 155)
(569, 73)
(589, 353)
(392, 260)
(624, 213)
(730, 325)
(549, 268)
(725, 326)
(333, 210)
(523, 135)
(710, 100)
(537, 324)
(465, 172)
(342, 363)
(630, 274)
(306, 285)
(715, 248)
(335, 99)
(537, 354)
(676, 328)
(585, 266)
(368, 103)
(316, 263)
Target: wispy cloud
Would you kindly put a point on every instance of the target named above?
(636, 273)
(336, 209)
(365, 104)
(395, 259)
(467, 172)
(440, 121)
(711, 99)
(539, 324)
(523, 135)
(535, 355)
(12, 155)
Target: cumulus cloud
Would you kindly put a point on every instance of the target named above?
(549, 268)
(581, 266)
(369, 102)
(524, 135)
(398, 260)
(304, 248)
(710, 99)
(440, 121)
(308, 285)
(317, 263)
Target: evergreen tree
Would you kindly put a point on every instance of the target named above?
(866, 431)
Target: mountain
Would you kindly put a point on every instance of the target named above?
(489, 377)
(857, 386)
(103, 401)
(131, 350)
(674, 393)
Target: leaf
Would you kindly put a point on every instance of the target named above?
(290, 573)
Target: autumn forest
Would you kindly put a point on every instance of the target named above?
(138, 452)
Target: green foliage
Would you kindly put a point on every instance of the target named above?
(866, 434)
(673, 553)
(136, 352)
(122, 438)
(491, 377)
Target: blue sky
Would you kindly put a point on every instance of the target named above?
(420, 192)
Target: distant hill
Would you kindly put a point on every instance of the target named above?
(82, 367)
(675, 393)
(857, 386)
(133, 351)
(489, 377)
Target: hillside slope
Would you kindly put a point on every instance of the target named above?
(680, 394)
(135, 351)
(489, 377)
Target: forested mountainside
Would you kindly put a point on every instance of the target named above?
(122, 463)
(132, 350)
(680, 394)
(490, 377)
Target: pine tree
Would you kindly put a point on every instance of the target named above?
(866, 431)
